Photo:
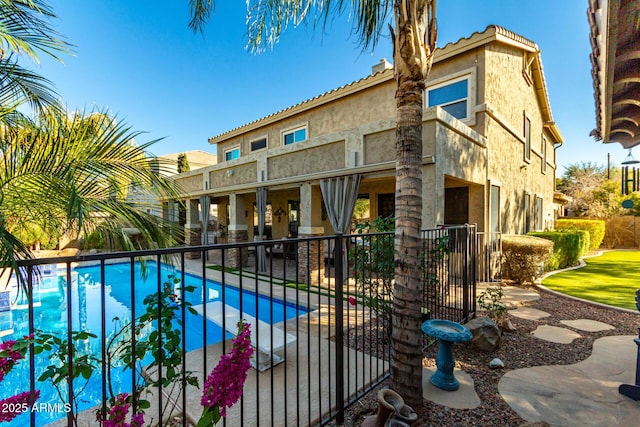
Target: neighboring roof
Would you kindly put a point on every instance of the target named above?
(477, 39)
(615, 62)
(194, 157)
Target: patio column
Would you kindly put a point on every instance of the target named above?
(192, 228)
(237, 231)
(311, 259)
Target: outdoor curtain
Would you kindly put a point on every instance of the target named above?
(205, 202)
(340, 195)
(261, 206)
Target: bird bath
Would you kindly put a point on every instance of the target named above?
(447, 333)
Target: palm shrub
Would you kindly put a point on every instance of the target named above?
(523, 257)
(70, 174)
(595, 227)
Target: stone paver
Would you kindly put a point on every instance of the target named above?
(555, 334)
(463, 398)
(583, 394)
(529, 313)
(587, 325)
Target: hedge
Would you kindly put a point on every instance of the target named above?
(524, 256)
(595, 227)
(568, 247)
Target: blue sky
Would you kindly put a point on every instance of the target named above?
(139, 60)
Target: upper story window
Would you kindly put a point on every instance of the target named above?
(453, 97)
(544, 154)
(259, 144)
(527, 138)
(232, 153)
(292, 136)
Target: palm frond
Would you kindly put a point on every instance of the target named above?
(25, 29)
(267, 19)
(71, 172)
(19, 85)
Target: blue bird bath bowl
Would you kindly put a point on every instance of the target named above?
(447, 333)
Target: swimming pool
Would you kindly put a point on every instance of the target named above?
(51, 315)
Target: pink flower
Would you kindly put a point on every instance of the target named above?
(118, 413)
(352, 301)
(19, 403)
(8, 357)
(223, 386)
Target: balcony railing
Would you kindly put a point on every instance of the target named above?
(319, 331)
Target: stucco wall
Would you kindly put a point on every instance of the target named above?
(367, 106)
(379, 147)
(237, 174)
(515, 97)
(191, 183)
(322, 158)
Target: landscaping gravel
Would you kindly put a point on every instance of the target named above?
(519, 349)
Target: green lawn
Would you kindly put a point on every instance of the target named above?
(610, 279)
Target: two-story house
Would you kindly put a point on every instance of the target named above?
(489, 146)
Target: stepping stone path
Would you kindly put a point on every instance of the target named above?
(555, 334)
(587, 325)
(578, 395)
(529, 313)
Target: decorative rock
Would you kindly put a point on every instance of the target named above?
(496, 364)
(505, 324)
(486, 334)
(536, 424)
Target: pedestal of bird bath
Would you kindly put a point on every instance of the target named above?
(447, 333)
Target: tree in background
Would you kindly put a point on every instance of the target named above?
(595, 191)
(414, 39)
(183, 163)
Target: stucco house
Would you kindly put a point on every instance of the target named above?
(489, 148)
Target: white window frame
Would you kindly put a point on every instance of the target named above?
(229, 150)
(293, 130)
(468, 74)
(251, 141)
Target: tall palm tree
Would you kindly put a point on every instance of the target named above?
(70, 173)
(414, 35)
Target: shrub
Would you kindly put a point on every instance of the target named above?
(94, 240)
(524, 256)
(568, 247)
(595, 227)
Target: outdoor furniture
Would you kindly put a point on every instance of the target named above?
(632, 391)
(268, 341)
(447, 333)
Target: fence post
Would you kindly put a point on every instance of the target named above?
(339, 312)
(465, 274)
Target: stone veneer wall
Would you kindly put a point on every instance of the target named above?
(311, 261)
(236, 257)
(192, 237)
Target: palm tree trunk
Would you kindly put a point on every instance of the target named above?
(414, 43)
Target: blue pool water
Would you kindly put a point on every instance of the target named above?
(50, 314)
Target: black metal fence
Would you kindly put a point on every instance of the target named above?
(317, 314)
(450, 273)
